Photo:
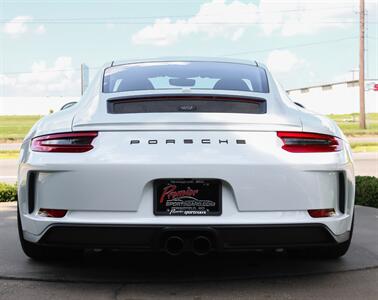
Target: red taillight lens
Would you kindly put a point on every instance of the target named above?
(64, 142)
(321, 213)
(52, 213)
(301, 142)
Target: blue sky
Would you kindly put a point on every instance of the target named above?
(43, 43)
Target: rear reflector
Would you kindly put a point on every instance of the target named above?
(302, 142)
(52, 213)
(64, 142)
(321, 213)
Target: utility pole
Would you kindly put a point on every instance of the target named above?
(84, 76)
(362, 65)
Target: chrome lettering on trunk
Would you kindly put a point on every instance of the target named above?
(190, 141)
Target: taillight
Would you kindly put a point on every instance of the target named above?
(64, 142)
(321, 213)
(52, 213)
(301, 142)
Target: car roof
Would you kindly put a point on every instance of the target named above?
(188, 59)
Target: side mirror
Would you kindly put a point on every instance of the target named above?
(67, 105)
(300, 105)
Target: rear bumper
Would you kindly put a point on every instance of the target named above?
(112, 186)
(222, 237)
(118, 176)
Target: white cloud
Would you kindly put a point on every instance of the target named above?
(304, 16)
(231, 19)
(215, 18)
(41, 29)
(61, 79)
(283, 61)
(110, 25)
(17, 25)
(20, 25)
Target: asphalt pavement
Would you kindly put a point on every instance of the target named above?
(10, 146)
(8, 170)
(347, 285)
(130, 276)
(366, 164)
(118, 275)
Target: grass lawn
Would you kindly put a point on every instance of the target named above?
(350, 126)
(9, 154)
(364, 147)
(14, 128)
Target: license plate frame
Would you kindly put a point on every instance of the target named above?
(187, 197)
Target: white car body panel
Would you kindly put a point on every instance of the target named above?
(113, 183)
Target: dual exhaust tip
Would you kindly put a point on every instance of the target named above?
(175, 245)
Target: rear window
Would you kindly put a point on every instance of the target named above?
(185, 75)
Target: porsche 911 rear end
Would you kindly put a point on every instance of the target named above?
(185, 156)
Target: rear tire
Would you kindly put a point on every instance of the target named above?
(40, 252)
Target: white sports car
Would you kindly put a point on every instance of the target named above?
(185, 155)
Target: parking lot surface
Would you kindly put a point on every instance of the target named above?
(119, 275)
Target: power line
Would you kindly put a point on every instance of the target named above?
(160, 16)
(193, 23)
(157, 1)
(229, 54)
(292, 46)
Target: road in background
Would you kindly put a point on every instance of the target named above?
(363, 139)
(366, 164)
(9, 146)
(8, 170)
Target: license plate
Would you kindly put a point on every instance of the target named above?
(187, 197)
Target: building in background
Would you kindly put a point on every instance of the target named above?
(336, 98)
